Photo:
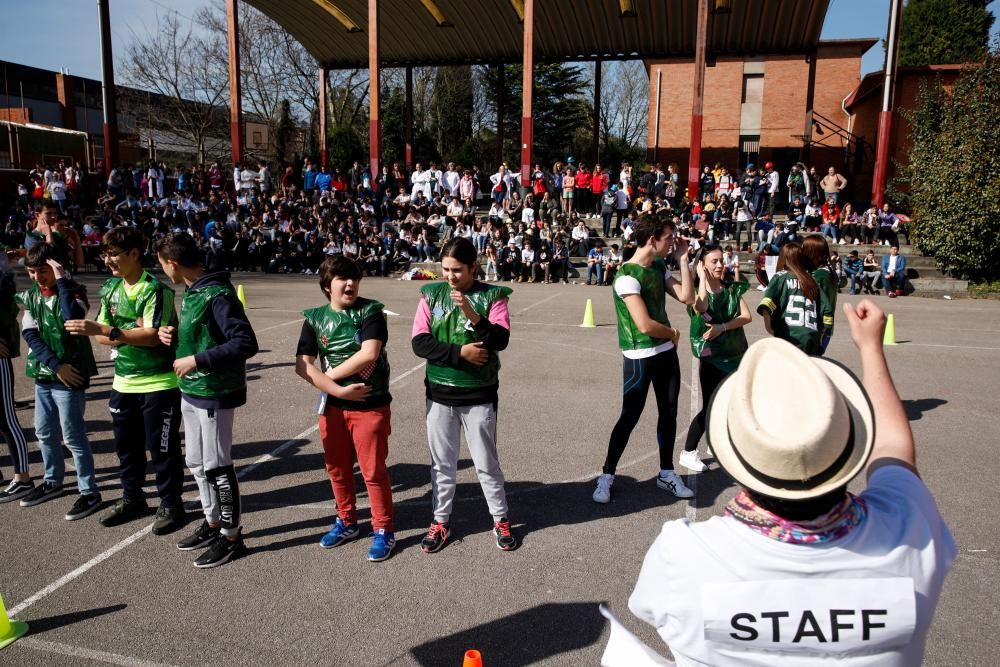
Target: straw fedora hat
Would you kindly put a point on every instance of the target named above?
(790, 426)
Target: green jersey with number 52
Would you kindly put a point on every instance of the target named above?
(795, 317)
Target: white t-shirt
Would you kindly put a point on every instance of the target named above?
(717, 592)
(626, 286)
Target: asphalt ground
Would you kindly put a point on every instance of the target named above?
(95, 595)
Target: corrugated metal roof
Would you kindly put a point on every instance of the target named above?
(489, 31)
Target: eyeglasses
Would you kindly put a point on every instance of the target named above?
(113, 255)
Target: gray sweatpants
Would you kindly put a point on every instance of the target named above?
(444, 435)
(208, 444)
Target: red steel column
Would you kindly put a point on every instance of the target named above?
(374, 80)
(527, 92)
(501, 103)
(698, 104)
(595, 150)
(408, 117)
(322, 115)
(888, 102)
(235, 90)
(107, 89)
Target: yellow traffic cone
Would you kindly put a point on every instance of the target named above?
(588, 316)
(890, 331)
(241, 295)
(10, 630)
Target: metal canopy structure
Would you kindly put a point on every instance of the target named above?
(454, 32)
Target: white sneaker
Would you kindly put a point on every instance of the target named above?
(691, 461)
(843, 242)
(602, 494)
(761, 288)
(673, 483)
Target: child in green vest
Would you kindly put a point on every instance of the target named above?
(794, 307)
(460, 326)
(145, 402)
(648, 344)
(61, 366)
(348, 336)
(214, 339)
(10, 429)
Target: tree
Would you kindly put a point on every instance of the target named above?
(624, 104)
(283, 133)
(953, 173)
(938, 32)
(186, 107)
(451, 109)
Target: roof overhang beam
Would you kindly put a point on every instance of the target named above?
(435, 11)
(626, 9)
(339, 14)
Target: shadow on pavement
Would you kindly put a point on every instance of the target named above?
(524, 638)
(915, 408)
(39, 625)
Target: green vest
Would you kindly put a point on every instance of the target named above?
(726, 351)
(194, 336)
(73, 350)
(338, 336)
(827, 282)
(134, 360)
(450, 325)
(653, 293)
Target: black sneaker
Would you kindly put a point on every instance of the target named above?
(435, 538)
(15, 491)
(84, 506)
(221, 552)
(123, 511)
(203, 536)
(505, 538)
(168, 519)
(40, 494)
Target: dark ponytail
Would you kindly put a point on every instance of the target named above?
(791, 260)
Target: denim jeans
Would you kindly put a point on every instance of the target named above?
(595, 270)
(856, 278)
(59, 415)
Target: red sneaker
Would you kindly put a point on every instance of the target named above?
(505, 539)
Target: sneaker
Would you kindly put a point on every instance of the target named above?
(435, 538)
(602, 494)
(15, 491)
(168, 519)
(899, 292)
(505, 539)
(691, 461)
(202, 536)
(221, 552)
(382, 545)
(761, 288)
(40, 494)
(674, 484)
(123, 511)
(340, 532)
(84, 506)
(892, 295)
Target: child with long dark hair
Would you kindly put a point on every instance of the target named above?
(718, 316)
(794, 308)
(460, 326)
(816, 254)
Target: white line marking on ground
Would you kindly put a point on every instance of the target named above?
(134, 537)
(89, 654)
(278, 326)
(538, 303)
(952, 347)
(692, 480)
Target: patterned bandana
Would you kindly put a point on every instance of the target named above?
(833, 525)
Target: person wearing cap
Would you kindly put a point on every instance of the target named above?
(799, 571)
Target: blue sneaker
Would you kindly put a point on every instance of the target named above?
(339, 533)
(381, 545)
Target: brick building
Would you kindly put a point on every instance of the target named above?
(757, 109)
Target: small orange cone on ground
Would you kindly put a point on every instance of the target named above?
(472, 659)
(588, 315)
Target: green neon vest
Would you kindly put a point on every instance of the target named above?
(726, 351)
(653, 293)
(194, 336)
(73, 350)
(450, 325)
(133, 360)
(338, 336)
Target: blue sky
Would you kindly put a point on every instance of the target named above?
(52, 34)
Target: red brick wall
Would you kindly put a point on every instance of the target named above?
(16, 114)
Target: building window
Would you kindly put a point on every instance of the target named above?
(749, 149)
(258, 137)
(753, 88)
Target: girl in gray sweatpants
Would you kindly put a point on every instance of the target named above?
(460, 326)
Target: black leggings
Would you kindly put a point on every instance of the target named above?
(10, 428)
(663, 371)
(710, 377)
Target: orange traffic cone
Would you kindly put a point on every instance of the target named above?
(10, 630)
(472, 659)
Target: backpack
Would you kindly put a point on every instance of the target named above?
(610, 199)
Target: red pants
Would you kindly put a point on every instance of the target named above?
(364, 433)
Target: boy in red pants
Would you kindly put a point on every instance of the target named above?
(348, 336)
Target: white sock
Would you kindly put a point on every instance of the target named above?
(663, 472)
